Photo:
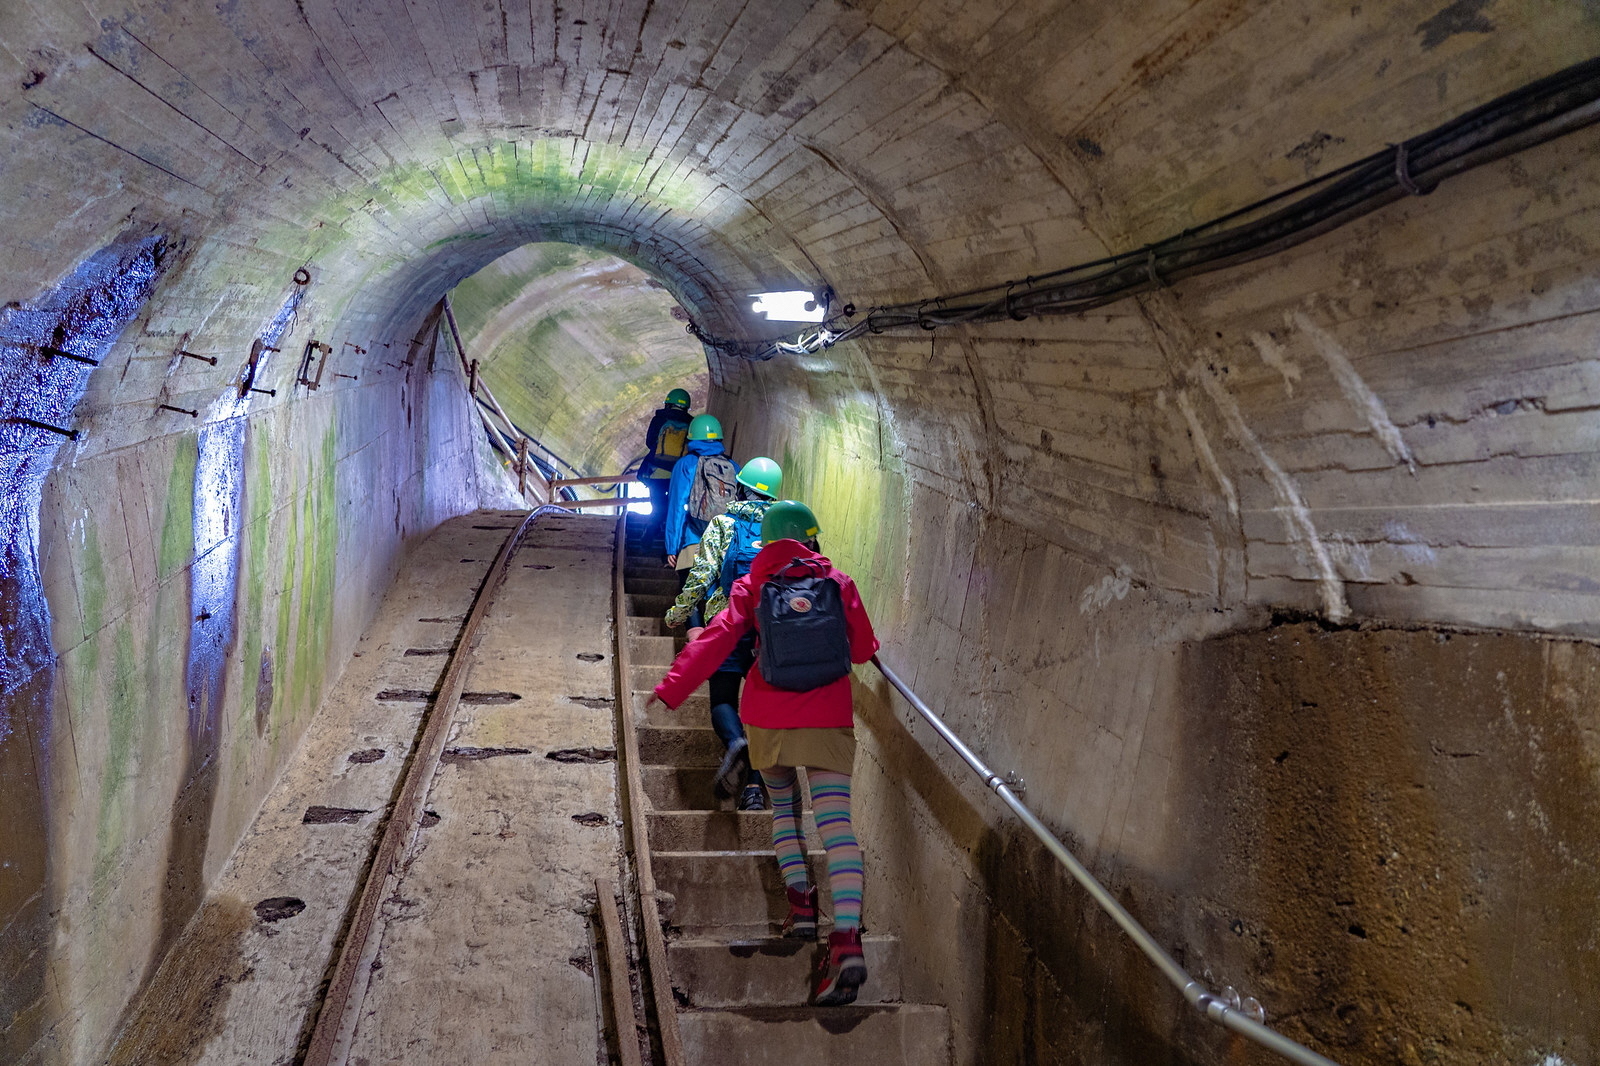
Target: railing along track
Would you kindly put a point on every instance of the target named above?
(637, 825)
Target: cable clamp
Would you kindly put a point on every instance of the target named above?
(1011, 311)
(922, 320)
(1402, 173)
(1150, 267)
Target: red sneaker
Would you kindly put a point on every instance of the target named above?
(844, 970)
(802, 921)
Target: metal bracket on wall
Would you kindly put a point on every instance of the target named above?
(312, 348)
(258, 351)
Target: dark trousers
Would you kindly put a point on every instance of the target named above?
(724, 687)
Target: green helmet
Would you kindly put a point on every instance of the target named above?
(705, 427)
(678, 398)
(762, 475)
(788, 520)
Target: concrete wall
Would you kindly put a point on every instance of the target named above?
(1074, 533)
(183, 590)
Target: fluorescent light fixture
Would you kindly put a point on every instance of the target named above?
(799, 305)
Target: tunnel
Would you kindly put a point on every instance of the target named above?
(1203, 403)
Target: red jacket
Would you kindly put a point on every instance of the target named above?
(762, 705)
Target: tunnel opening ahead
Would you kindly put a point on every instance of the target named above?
(578, 346)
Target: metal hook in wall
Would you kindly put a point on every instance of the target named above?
(50, 352)
(70, 434)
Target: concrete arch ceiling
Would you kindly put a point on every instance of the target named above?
(889, 149)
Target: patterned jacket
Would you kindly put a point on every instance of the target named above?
(706, 577)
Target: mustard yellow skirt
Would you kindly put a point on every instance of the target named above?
(825, 749)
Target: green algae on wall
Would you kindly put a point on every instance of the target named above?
(546, 178)
(123, 709)
(256, 564)
(834, 464)
(319, 560)
(177, 528)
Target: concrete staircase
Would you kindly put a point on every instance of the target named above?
(743, 991)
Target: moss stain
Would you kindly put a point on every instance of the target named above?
(177, 530)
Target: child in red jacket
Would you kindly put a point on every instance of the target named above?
(787, 729)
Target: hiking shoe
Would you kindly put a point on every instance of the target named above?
(802, 921)
(734, 771)
(843, 971)
(752, 798)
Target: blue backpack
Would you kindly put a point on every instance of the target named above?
(742, 551)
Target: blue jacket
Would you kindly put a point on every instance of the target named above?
(681, 529)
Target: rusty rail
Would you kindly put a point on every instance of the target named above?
(341, 1006)
(617, 970)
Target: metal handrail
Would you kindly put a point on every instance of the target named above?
(1210, 1004)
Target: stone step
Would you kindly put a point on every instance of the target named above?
(716, 830)
(681, 788)
(908, 1034)
(694, 711)
(652, 651)
(646, 567)
(646, 605)
(644, 678)
(731, 892)
(772, 971)
(679, 745)
(665, 585)
(645, 625)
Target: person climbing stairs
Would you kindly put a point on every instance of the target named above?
(743, 990)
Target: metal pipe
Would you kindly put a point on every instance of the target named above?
(603, 479)
(1213, 1006)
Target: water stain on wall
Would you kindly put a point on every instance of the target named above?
(1394, 846)
(218, 498)
(182, 1009)
(40, 386)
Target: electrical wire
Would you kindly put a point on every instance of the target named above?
(1565, 101)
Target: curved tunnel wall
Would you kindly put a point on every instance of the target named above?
(1056, 522)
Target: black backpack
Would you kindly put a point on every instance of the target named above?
(804, 642)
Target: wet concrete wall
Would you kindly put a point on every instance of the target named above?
(180, 590)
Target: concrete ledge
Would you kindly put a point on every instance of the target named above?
(679, 745)
(728, 890)
(771, 972)
(783, 1036)
(716, 830)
